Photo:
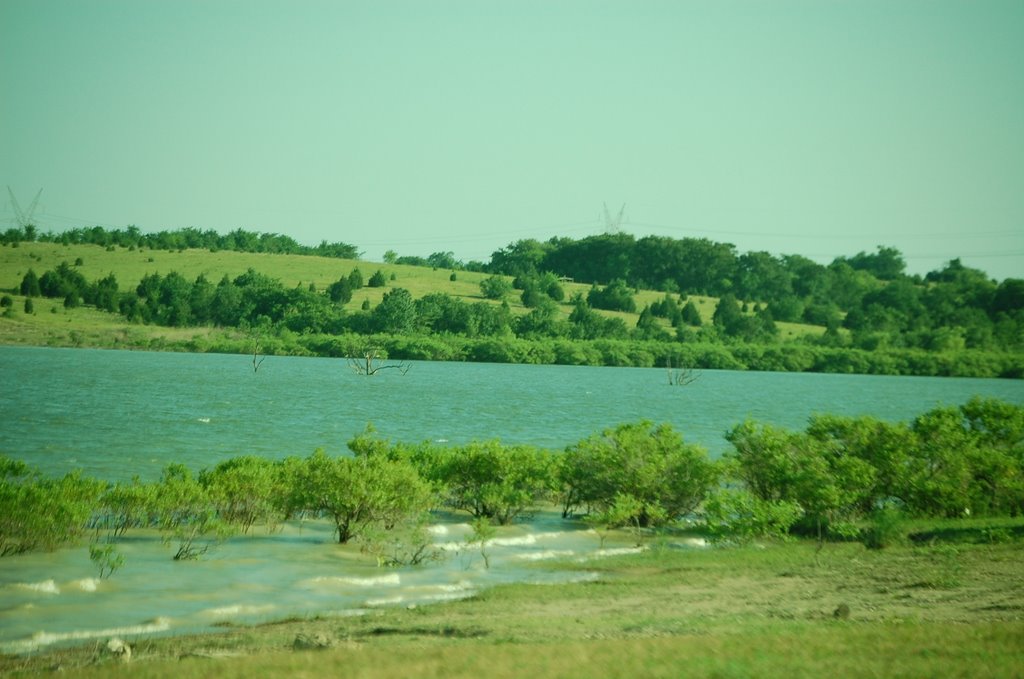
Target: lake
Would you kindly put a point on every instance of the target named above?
(115, 414)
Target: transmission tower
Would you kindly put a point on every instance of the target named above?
(24, 218)
(613, 224)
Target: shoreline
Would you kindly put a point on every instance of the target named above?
(770, 593)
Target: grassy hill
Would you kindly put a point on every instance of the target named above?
(52, 324)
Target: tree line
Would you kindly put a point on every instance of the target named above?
(131, 237)
(829, 481)
(869, 294)
(437, 326)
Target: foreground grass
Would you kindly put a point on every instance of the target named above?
(788, 650)
(935, 608)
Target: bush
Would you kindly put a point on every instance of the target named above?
(651, 464)
(38, 513)
(495, 287)
(884, 530)
(360, 495)
(496, 482)
(616, 296)
(739, 516)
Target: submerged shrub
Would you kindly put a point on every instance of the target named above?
(39, 513)
(359, 494)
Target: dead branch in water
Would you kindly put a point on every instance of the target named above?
(680, 376)
(371, 361)
(257, 360)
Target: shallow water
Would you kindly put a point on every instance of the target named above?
(55, 599)
(117, 414)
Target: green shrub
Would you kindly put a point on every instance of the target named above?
(738, 516)
(885, 529)
(651, 464)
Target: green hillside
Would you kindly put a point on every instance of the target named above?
(130, 266)
(305, 304)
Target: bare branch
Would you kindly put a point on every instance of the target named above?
(257, 360)
(680, 376)
(371, 361)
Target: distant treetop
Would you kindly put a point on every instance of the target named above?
(238, 240)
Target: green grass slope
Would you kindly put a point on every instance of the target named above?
(51, 324)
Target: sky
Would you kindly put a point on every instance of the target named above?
(820, 127)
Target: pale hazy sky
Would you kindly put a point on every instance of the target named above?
(819, 127)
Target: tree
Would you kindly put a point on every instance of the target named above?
(64, 281)
(226, 305)
(200, 300)
(495, 287)
(738, 516)
(187, 514)
(359, 494)
(728, 315)
(690, 314)
(616, 296)
(442, 313)
(443, 260)
(532, 296)
(595, 259)
(370, 361)
(407, 544)
(967, 460)
(103, 294)
(30, 285)
(882, 445)
(246, 490)
(127, 505)
(493, 481)
(648, 327)
(173, 298)
(625, 511)
(652, 464)
(483, 533)
(396, 313)
(377, 280)
(762, 277)
(523, 257)
(542, 321)
(885, 264)
(763, 459)
(829, 485)
(340, 291)
(39, 513)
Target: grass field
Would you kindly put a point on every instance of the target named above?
(950, 605)
(52, 325)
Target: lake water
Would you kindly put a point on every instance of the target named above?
(117, 414)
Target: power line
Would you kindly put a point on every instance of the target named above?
(859, 234)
